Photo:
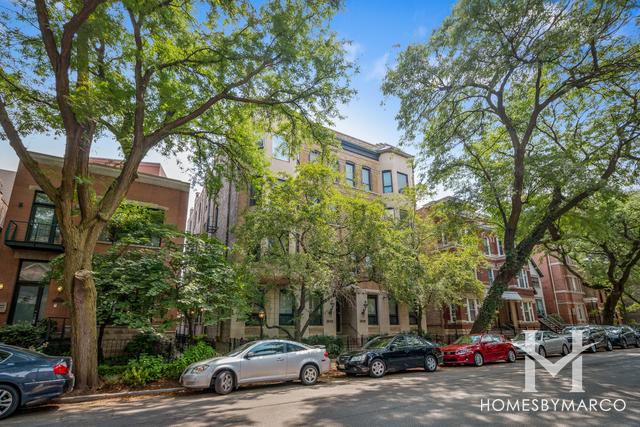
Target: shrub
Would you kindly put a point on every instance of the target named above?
(148, 342)
(144, 370)
(195, 353)
(27, 335)
(334, 345)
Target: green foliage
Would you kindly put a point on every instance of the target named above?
(337, 235)
(195, 353)
(26, 335)
(334, 345)
(143, 370)
(148, 342)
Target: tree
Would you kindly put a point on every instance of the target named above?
(204, 283)
(600, 244)
(308, 237)
(527, 108)
(433, 254)
(200, 77)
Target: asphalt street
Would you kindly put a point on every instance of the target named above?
(449, 396)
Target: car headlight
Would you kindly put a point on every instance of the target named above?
(358, 358)
(199, 369)
(463, 351)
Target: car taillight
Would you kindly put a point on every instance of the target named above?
(61, 369)
(326, 354)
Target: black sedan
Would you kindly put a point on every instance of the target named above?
(593, 337)
(622, 336)
(27, 377)
(391, 353)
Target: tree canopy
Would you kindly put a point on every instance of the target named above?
(526, 108)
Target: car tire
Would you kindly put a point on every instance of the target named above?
(542, 352)
(565, 350)
(9, 400)
(478, 359)
(637, 343)
(608, 346)
(511, 356)
(224, 382)
(623, 343)
(430, 363)
(377, 368)
(309, 374)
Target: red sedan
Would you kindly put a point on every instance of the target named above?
(478, 350)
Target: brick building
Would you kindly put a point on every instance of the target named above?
(31, 236)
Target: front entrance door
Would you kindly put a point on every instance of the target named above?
(30, 295)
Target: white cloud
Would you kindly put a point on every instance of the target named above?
(379, 68)
(353, 50)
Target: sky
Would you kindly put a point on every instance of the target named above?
(376, 29)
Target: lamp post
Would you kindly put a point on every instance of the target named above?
(261, 317)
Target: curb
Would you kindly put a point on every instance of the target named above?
(92, 397)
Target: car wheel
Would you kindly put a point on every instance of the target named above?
(478, 360)
(224, 382)
(511, 356)
(609, 346)
(377, 368)
(9, 400)
(565, 350)
(637, 343)
(309, 375)
(542, 352)
(623, 343)
(430, 363)
(593, 347)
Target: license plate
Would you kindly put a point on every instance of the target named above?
(340, 366)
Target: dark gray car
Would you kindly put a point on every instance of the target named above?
(27, 377)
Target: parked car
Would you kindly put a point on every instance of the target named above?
(593, 336)
(258, 361)
(391, 353)
(478, 350)
(28, 377)
(622, 336)
(546, 343)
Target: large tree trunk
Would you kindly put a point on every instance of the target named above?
(610, 304)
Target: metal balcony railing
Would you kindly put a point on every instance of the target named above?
(34, 235)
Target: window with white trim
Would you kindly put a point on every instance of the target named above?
(487, 245)
(527, 311)
(491, 276)
(453, 312)
(472, 309)
(500, 247)
(523, 279)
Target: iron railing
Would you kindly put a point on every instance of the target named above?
(33, 234)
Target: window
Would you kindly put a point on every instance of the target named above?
(413, 341)
(314, 155)
(472, 309)
(540, 306)
(500, 247)
(453, 312)
(403, 181)
(387, 182)
(43, 225)
(4, 355)
(350, 173)
(527, 311)
(372, 309)
(390, 212)
(129, 222)
(315, 310)
(279, 149)
(253, 197)
(491, 276)
(366, 179)
(268, 349)
(30, 297)
(400, 342)
(523, 279)
(294, 347)
(574, 283)
(580, 314)
(285, 315)
(487, 245)
(394, 319)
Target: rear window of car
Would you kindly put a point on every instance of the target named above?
(294, 347)
(4, 355)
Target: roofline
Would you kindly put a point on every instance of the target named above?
(144, 178)
(375, 148)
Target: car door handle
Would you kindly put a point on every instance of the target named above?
(280, 359)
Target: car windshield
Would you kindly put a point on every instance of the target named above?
(379, 342)
(570, 329)
(240, 349)
(468, 339)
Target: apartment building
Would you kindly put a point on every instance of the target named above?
(380, 170)
(31, 237)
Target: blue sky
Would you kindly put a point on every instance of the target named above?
(377, 30)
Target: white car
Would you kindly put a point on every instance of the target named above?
(546, 343)
(257, 361)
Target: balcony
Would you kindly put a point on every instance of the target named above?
(33, 235)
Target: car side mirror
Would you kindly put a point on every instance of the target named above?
(249, 355)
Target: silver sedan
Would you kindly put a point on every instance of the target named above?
(257, 361)
(546, 343)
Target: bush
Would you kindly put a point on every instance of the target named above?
(144, 370)
(27, 335)
(148, 342)
(195, 353)
(334, 345)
